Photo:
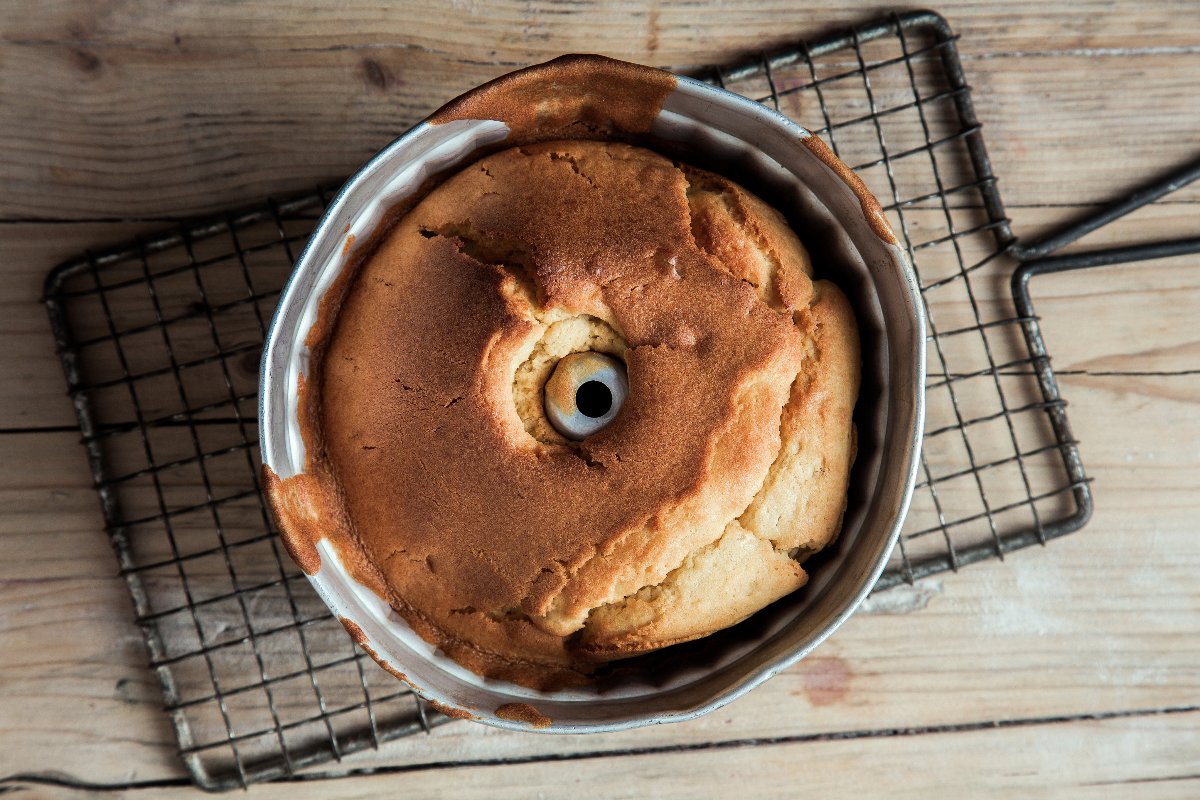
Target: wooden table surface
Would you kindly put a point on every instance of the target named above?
(1072, 670)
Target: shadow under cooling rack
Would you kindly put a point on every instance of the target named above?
(161, 341)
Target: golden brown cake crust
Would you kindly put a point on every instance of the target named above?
(573, 96)
(523, 712)
(529, 559)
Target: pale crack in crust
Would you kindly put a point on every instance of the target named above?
(650, 617)
(783, 522)
(789, 518)
(749, 238)
(569, 611)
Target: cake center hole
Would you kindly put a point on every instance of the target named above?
(593, 399)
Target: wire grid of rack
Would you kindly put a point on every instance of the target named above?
(161, 341)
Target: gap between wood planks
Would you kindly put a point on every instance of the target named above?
(193, 218)
(1087, 52)
(965, 727)
(92, 220)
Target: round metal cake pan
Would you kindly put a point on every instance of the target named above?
(841, 224)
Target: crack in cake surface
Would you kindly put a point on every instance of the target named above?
(510, 256)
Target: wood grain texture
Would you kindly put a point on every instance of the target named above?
(1103, 620)
(236, 105)
(34, 395)
(667, 33)
(1040, 675)
(1112, 758)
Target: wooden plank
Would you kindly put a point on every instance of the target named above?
(1104, 112)
(1146, 756)
(34, 393)
(72, 677)
(517, 32)
(286, 121)
(1106, 619)
(52, 523)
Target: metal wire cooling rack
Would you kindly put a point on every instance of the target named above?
(161, 339)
